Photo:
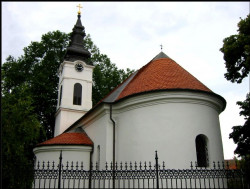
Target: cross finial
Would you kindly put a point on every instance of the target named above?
(161, 47)
(79, 6)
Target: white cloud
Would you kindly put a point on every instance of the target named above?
(229, 118)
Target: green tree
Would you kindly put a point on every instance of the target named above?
(236, 49)
(38, 68)
(21, 130)
(241, 133)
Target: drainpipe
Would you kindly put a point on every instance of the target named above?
(113, 145)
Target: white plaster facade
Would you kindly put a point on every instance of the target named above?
(67, 113)
(166, 121)
(70, 153)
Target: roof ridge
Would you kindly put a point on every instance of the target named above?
(160, 55)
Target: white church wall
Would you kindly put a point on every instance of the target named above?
(70, 72)
(67, 112)
(97, 126)
(169, 123)
(75, 153)
(69, 77)
(66, 118)
(67, 95)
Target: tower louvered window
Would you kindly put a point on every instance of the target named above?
(202, 151)
(77, 99)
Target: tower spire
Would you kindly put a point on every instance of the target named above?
(76, 50)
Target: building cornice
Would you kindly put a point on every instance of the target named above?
(163, 97)
(66, 147)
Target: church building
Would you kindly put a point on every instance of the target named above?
(160, 107)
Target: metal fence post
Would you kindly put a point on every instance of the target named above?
(90, 174)
(156, 166)
(60, 165)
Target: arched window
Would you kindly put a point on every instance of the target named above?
(77, 99)
(202, 150)
(60, 97)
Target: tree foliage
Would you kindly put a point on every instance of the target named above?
(241, 133)
(236, 49)
(38, 67)
(21, 130)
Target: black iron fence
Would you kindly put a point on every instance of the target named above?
(137, 175)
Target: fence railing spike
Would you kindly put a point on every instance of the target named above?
(191, 165)
(77, 165)
(38, 164)
(67, 165)
(111, 166)
(81, 165)
(48, 166)
(116, 166)
(106, 165)
(43, 166)
(121, 166)
(140, 166)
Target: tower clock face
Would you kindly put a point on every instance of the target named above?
(79, 67)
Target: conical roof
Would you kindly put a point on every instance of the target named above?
(161, 73)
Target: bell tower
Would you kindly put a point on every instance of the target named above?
(75, 81)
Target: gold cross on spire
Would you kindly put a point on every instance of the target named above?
(79, 6)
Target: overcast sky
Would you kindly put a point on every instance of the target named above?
(130, 34)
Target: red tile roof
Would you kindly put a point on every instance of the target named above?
(69, 139)
(163, 73)
(231, 164)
